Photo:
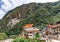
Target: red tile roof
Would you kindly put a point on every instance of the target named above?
(28, 25)
(53, 26)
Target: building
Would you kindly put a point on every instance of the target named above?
(30, 31)
(54, 31)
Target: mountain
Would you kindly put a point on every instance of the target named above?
(5, 5)
(38, 14)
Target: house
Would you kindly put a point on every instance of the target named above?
(54, 31)
(30, 31)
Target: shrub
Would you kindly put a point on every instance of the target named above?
(13, 36)
(20, 40)
(3, 36)
(26, 40)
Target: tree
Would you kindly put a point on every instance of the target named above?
(37, 35)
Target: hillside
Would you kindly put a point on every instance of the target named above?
(38, 14)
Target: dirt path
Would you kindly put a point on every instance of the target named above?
(55, 40)
(7, 40)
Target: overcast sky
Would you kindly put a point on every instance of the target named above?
(6, 5)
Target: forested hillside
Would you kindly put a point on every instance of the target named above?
(38, 14)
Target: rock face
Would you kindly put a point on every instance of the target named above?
(13, 22)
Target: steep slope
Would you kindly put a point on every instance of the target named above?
(38, 14)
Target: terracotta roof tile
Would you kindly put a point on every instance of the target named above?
(28, 25)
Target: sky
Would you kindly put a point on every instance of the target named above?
(6, 5)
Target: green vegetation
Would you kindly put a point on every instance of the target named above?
(37, 35)
(38, 14)
(26, 40)
(3, 36)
